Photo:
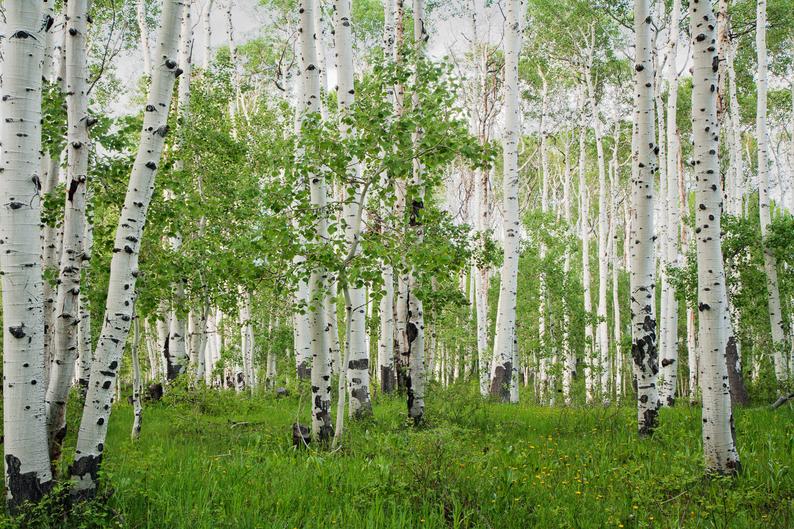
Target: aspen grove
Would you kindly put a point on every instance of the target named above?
(390, 263)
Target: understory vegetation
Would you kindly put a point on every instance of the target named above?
(214, 459)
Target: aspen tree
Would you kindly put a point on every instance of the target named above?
(643, 262)
(668, 340)
(601, 344)
(762, 139)
(321, 362)
(718, 432)
(124, 263)
(140, 14)
(415, 322)
(27, 466)
(65, 346)
(357, 353)
(386, 372)
(569, 356)
(505, 330)
(584, 226)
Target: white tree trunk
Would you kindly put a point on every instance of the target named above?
(718, 434)
(136, 382)
(643, 263)
(321, 362)
(387, 375)
(584, 224)
(601, 346)
(505, 330)
(85, 342)
(544, 361)
(569, 356)
(124, 263)
(770, 263)
(415, 323)
(736, 166)
(668, 340)
(206, 21)
(357, 354)
(140, 12)
(27, 465)
(64, 348)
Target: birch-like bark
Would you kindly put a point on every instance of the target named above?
(357, 354)
(601, 346)
(569, 356)
(50, 175)
(613, 243)
(140, 13)
(124, 263)
(505, 330)
(643, 262)
(762, 139)
(137, 408)
(668, 339)
(321, 363)
(206, 22)
(415, 323)
(386, 371)
(65, 345)
(736, 166)
(718, 431)
(85, 342)
(544, 386)
(27, 465)
(584, 225)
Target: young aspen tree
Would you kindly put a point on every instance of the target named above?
(643, 261)
(386, 373)
(601, 345)
(506, 314)
(27, 466)
(137, 385)
(569, 356)
(544, 361)
(140, 13)
(64, 347)
(124, 263)
(584, 225)
(415, 323)
(357, 354)
(718, 433)
(668, 340)
(322, 428)
(770, 263)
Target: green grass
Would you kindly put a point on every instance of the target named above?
(475, 465)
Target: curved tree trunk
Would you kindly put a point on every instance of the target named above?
(124, 263)
(643, 262)
(718, 433)
(27, 467)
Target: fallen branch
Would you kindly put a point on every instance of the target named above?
(782, 400)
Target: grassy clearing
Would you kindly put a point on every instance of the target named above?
(212, 460)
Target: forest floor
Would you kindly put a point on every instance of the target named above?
(213, 460)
